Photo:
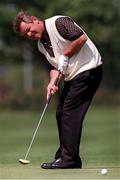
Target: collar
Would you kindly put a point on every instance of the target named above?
(45, 36)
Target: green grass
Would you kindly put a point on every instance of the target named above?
(100, 146)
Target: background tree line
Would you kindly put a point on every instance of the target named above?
(19, 58)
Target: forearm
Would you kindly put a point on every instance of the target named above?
(54, 75)
(52, 88)
(75, 46)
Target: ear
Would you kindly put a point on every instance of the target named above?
(34, 18)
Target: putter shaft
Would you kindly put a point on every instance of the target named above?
(44, 110)
(36, 131)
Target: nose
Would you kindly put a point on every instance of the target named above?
(29, 33)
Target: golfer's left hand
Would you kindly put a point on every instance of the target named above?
(62, 64)
(51, 89)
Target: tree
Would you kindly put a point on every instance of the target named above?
(99, 18)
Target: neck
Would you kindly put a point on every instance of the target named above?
(42, 25)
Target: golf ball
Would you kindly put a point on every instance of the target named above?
(104, 171)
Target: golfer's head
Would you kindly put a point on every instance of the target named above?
(27, 25)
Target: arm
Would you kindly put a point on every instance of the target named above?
(53, 75)
(75, 46)
(69, 51)
(52, 88)
(68, 29)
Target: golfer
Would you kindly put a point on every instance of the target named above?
(69, 50)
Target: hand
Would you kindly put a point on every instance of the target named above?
(62, 63)
(51, 89)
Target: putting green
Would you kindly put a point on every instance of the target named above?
(35, 172)
(99, 147)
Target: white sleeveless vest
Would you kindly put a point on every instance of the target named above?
(87, 58)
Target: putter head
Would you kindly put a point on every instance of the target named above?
(24, 161)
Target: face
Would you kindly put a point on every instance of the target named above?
(32, 30)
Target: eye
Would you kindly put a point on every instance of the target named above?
(27, 30)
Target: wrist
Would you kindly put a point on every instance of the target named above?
(63, 63)
(64, 57)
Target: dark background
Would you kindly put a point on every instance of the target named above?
(24, 71)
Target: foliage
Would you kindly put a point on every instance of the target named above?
(99, 18)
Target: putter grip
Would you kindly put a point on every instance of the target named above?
(55, 83)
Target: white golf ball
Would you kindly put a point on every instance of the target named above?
(104, 171)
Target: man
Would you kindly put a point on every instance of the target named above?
(70, 51)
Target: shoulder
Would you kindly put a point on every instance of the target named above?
(60, 19)
(63, 19)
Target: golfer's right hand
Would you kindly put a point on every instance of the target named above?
(51, 89)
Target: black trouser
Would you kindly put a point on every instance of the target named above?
(74, 101)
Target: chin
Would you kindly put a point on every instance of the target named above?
(36, 38)
(33, 38)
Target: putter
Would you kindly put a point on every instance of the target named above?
(25, 161)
